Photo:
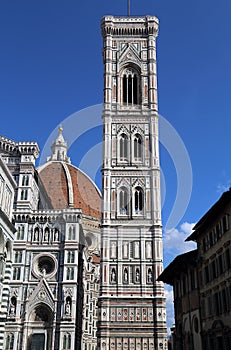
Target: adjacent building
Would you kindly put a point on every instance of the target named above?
(202, 283)
(55, 270)
(7, 233)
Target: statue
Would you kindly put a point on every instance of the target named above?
(45, 236)
(36, 235)
(113, 275)
(125, 275)
(149, 275)
(56, 238)
(148, 250)
(68, 308)
(137, 275)
(125, 250)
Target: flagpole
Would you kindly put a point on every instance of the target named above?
(129, 10)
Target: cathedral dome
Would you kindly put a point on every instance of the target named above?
(68, 186)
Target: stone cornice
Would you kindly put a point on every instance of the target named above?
(16, 148)
(131, 26)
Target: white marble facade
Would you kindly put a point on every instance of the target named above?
(132, 303)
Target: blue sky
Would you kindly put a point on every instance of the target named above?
(51, 66)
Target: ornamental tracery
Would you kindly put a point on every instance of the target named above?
(130, 86)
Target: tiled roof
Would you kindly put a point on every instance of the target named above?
(95, 258)
(85, 193)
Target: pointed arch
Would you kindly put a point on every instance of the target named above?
(123, 201)
(67, 341)
(137, 147)
(9, 345)
(130, 85)
(138, 201)
(123, 147)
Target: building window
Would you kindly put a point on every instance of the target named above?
(20, 232)
(209, 303)
(24, 195)
(123, 201)
(16, 273)
(216, 303)
(220, 264)
(214, 269)
(204, 243)
(70, 257)
(218, 230)
(211, 242)
(223, 298)
(1, 189)
(123, 147)
(18, 256)
(71, 233)
(70, 273)
(66, 342)
(25, 180)
(206, 274)
(130, 87)
(9, 342)
(225, 223)
(137, 148)
(138, 201)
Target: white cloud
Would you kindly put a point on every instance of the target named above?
(221, 188)
(187, 227)
(174, 241)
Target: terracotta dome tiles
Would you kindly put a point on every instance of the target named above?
(85, 194)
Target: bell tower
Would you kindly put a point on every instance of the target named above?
(132, 303)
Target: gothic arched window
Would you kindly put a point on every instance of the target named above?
(123, 201)
(123, 147)
(70, 273)
(70, 233)
(9, 342)
(130, 87)
(25, 180)
(20, 232)
(138, 200)
(24, 195)
(67, 342)
(137, 147)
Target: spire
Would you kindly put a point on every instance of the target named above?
(59, 148)
(129, 8)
